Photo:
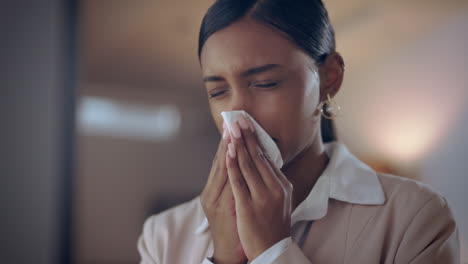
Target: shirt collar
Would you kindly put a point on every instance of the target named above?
(345, 178)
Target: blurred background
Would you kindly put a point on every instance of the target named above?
(107, 122)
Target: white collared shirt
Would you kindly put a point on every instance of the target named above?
(345, 178)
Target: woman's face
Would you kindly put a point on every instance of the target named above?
(248, 66)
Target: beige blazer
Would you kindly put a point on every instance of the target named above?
(412, 224)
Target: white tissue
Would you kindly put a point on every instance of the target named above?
(270, 147)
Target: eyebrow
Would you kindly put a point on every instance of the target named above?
(249, 72)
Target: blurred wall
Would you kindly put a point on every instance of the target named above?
(446, 169)
(34, 105)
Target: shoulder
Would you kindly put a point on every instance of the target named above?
(409, 193)
(168, 230)
(184, 217)
(165, 235)
(406, 203)
(415, 207)
(423, 226)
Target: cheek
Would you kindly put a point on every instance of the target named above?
(297, 118)
(311, 92)
(216, 110)
(299, 103)
(312, 84)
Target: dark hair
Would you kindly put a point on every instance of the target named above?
(304, 22)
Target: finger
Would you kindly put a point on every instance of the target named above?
(285, 186)
(245, 163)
(283, 179)
(237, 182)
(266, 173)
(222, 181)
(218, 175)
(222, 146)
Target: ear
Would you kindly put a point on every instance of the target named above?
(331, 73)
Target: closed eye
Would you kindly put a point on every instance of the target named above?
(217, 94)
(265, 85)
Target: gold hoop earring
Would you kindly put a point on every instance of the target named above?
(332, 109)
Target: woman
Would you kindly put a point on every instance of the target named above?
(276, 60)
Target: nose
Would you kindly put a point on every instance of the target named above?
(241, 100)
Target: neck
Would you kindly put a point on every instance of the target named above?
(304, 170)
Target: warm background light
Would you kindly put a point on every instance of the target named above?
(403, 105)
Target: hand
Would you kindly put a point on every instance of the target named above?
(218, 204)
(262, 193)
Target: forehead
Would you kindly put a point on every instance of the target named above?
(244, 44)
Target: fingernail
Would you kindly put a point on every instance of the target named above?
(235, 130)
(251, 125)
(231, 150)
(260, 153)
(225, 133)
(243, 123)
